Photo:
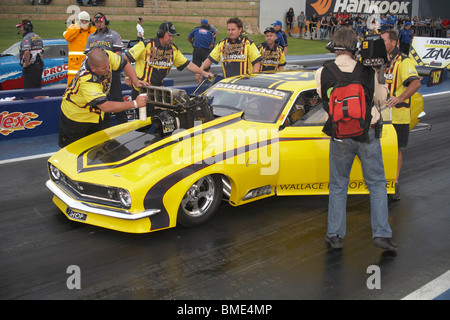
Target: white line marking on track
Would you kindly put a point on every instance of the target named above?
(432, 289)
(37, 156)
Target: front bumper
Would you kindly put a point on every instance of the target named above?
(101, 216)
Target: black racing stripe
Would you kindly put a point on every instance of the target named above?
(80, 164)
(303, 139)
(154, 197)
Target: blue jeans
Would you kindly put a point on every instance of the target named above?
(342, 154)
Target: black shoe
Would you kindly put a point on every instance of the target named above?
(335, 242)
(396, 196)
(385, 243)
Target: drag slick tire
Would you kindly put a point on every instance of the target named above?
(201, 201)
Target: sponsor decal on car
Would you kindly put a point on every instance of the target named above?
(54, 74)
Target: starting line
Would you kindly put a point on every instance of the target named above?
(438, 289)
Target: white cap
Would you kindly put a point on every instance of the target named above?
(83, 15)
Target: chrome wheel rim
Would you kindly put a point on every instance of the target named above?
(199, 197)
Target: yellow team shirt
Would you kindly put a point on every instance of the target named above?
(238, 57)
(87, 90)
(271, 58)
(153, 61)
(398, 76)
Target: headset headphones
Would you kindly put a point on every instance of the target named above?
(26, 24)
(163, 28)
(332, 48)
(100, 16)
(166, 27)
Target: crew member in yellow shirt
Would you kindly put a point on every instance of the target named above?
(403, 81)
(273, 57)
(154, 58)
(238, 53)
(85, 101)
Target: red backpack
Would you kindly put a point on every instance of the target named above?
(347, 103)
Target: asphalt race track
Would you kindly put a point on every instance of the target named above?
(271, 250)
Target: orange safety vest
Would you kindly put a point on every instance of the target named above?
(77, 38)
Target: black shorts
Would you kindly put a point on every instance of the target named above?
(402, 134)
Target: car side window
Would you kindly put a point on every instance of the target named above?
(307, 110)
(55, 51)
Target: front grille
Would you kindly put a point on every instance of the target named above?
(92, 190)
(89, 192)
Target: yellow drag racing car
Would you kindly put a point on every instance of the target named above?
(244, 139)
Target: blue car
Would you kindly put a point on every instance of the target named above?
(55, 65)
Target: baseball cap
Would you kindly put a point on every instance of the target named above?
(407, 24)
(83, 15)
(169, 28)
(99, 17)
(277, 23)
(269, 29)
(204, 22)
(22, 23)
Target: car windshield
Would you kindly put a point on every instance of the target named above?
(258, 104)
(13, 50)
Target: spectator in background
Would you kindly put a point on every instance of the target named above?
(438, 27)
(405, 38)
(301, 19)
(313, 25)
(323, 27)
(445, 25)
(289, 20)
(140, 30)
(76, 35)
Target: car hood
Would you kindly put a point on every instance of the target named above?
(131, 152)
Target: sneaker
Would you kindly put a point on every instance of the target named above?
(385, 243)
(335, 242)
(396, 196)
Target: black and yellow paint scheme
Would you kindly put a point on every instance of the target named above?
(127, 179)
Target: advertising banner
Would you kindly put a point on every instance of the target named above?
(399, 8)
(431, 52)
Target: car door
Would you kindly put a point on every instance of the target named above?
(304, 156)
(55, 63)
(304, 152)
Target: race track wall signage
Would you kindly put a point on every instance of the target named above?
(13, 121)
(400, 8)
(431, 52)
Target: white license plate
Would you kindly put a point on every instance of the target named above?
(76, 215)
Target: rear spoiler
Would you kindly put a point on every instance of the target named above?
(435, 75)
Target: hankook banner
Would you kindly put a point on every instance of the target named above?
(400, 8)
(431, 52)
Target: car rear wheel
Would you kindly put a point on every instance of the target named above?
(201, 201)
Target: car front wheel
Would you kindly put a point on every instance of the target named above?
(201, 201)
